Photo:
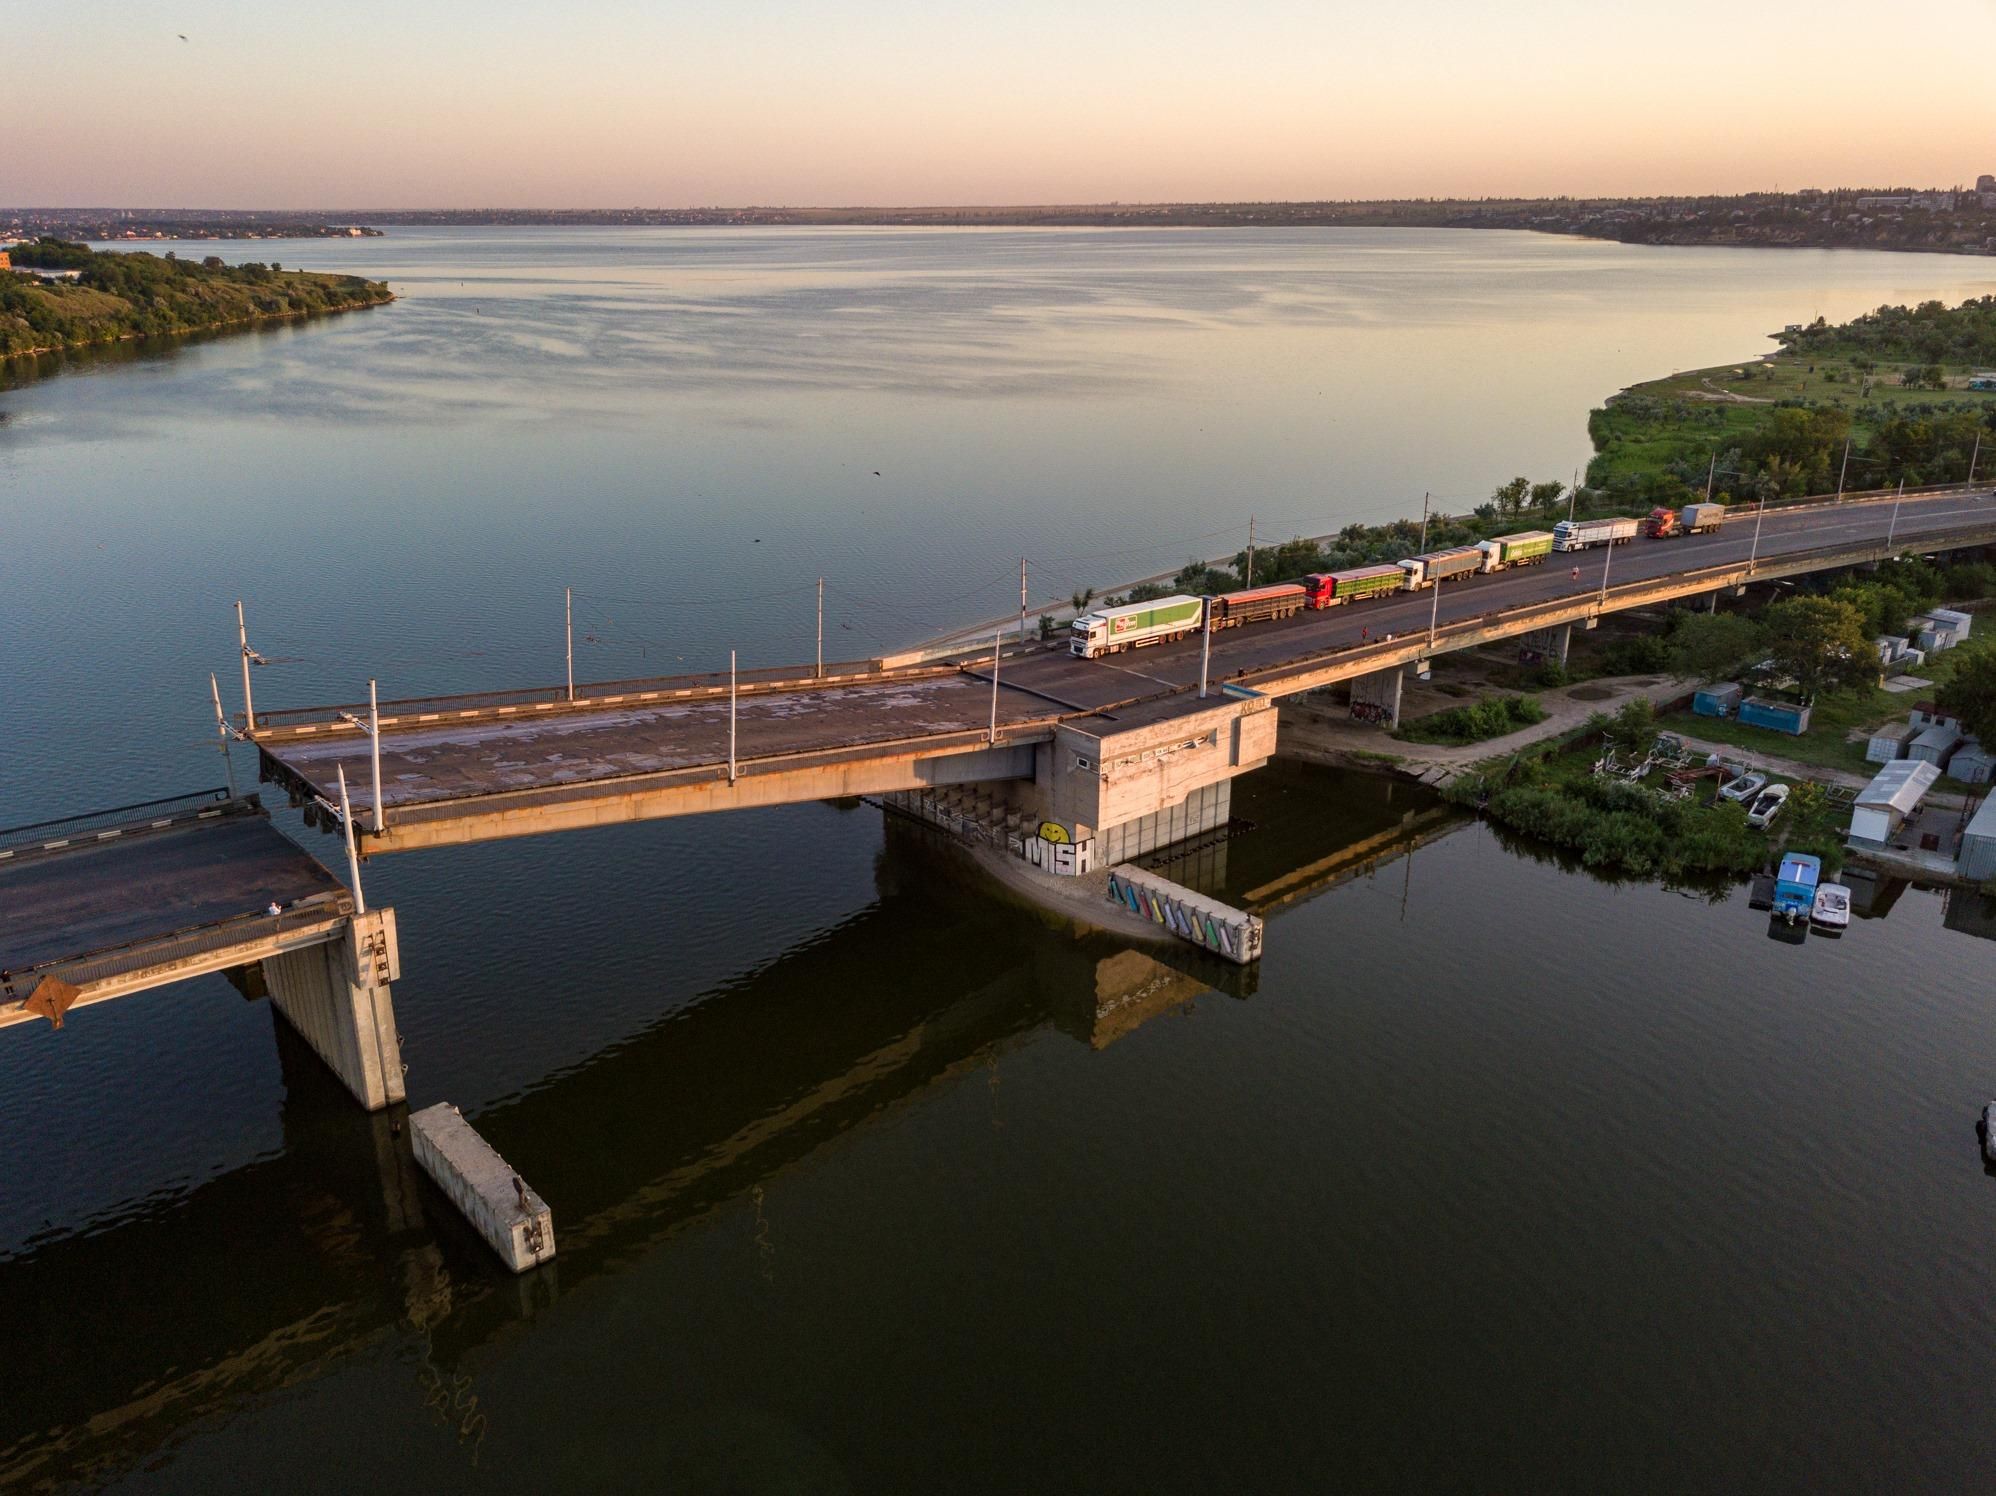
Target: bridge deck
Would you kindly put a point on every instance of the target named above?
(147, 887)
(445, 768)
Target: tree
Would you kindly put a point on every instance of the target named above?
(1510, 497)
(1705, 646)
(1546, 496)
(1971, 694)
(1822, 644)
(1633, 728)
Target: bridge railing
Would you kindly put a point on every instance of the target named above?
(329, 721)
(97, 825)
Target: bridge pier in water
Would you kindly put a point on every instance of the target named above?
(337, 996)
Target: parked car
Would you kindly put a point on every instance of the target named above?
(1767, 805)
(1744, 788)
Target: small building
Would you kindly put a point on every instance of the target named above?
(1895, 794)
(1717, 700)
(1935, 746)
(1978, 844)
(1972, 763)
(1889, 744)
(1925, 714)
(1888, 648)
(1932, 633)
(1955, 619)
(1791, 717)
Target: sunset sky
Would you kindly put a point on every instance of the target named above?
(270, 103)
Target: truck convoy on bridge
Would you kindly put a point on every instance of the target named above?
(1112, 630)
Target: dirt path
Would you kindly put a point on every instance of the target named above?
(1324, 735)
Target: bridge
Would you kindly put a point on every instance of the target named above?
(1073, 763)
(1105, 749)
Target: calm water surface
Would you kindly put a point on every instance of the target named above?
(1494, 1176)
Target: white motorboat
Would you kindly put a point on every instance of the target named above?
(1832, 908)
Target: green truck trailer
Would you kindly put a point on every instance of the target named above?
(1109, 630)
(1526, 548)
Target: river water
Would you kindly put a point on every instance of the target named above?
(1493, 1176)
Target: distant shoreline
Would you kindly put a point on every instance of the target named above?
(1901, 219)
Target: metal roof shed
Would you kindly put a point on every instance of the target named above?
(1896, 792)
(1978, 844)
(1972, 763)
(1889, 744)
(1935, 746)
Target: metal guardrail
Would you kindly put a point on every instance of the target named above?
(293, 723)
(103, 825)
(131, 955)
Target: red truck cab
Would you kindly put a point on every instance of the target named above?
(1661, 522)
(1318, 588)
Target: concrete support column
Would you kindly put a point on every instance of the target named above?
(1545, 646)
(1376, 697)
(337, 997)
(1712, 601)
(1205, 809)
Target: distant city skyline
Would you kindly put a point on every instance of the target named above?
(614, 102)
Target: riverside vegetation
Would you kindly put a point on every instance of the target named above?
(117, 296)
(1891, 383)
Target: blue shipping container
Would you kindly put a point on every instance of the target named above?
(1716, 701)
(1779, 716)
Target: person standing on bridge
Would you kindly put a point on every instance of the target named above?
(1576, 573)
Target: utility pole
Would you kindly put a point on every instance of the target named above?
(1573, 494)
(568, 624)
(374, 742)
(1425, 498)
(1250, 550)
(1712, 472)
(1022, 599)
(1759, 514)
(353, 857)
(1972, 456)
(242, 644)
(1893, 528)
(222, 728)
(731, 716)
(821, 627)
(1205, 640)
(1435, 612)
(1844, 467)
(996, 636)
(1606, 561)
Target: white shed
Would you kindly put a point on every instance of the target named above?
(1978, 844)
(1890, 743)
(1972, 763)
(1954, 618)
(1936, 745)
(1885, 803)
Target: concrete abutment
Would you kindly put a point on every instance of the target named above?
(337, 996)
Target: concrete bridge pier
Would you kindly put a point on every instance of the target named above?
(336, 995)
(1546, 646)
(1376, 697)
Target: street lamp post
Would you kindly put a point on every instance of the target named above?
(1893, 528)
(1205, 640)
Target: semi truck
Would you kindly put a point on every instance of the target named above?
(1581, 534)
(1425, 570)
(1252, 604)
(1692, 519)
(1795, 886)
(1112, 630)
(1526, 548)
(1330, 589)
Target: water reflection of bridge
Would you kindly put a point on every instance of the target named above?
(280, 1270)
